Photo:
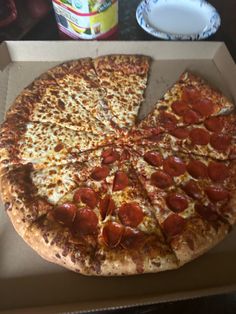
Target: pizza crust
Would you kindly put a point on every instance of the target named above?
(18, 193)
(56, 244)
(198, 237)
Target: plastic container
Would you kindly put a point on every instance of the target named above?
(87, 19)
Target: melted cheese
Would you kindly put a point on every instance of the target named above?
(55, 182)
(45, 144)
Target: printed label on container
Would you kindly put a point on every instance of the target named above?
(86, 19)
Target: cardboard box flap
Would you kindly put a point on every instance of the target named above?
(5, 57)
(59, 50)
(223, 60)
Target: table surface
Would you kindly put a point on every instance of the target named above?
(46, 29)
(129, 29)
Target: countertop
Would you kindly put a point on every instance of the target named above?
(46, 29)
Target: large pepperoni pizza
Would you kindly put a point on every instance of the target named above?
(90, 189)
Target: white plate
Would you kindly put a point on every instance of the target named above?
(178, 19)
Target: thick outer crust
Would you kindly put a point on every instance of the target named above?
(16, 211)
(10, 133)
(54, 243)
(24, 104)
(50, 241)
(18, 194)
(14, 127)
(229, 211)
(73, 67)
(126, 64)
(198, 237)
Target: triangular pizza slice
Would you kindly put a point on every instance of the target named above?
(190, 101)
(214, 138)
(191, 197)
(44, 144)
(124, 80)
(99, 211)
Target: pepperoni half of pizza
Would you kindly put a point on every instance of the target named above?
(89, 189)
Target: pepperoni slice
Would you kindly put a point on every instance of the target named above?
(173, 225)
(199, 136)
(179, 107)
(217, 194)
(204, 107)
(161, 179)
(65, 213)
(125, 155)
(107, 152)
(109, 156)
(58, 147)
(215, 124)
(181, 133)
(85, 222)
(100, 173)
(192, 189)
(197, 169)
(130, 214)
(132, 238)
(155, 138)
(190, 117)
(121, 181)
(112, 233)
(218, 172)
(232, 154)
(87, 196)
(220, 142)
(177, 202)
(107, 206)
(207, 212)
(153, 158)
(190, 94)
(174, 166)
(167, 120)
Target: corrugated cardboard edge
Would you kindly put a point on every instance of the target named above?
(115, 304)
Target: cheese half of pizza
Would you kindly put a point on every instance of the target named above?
(90, 188)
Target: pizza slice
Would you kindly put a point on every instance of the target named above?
(29, 191)
(214, 138)
(207, 181)
(124, 80)
(188, 204)
(42, 143)
(86, 216)
(190, 101)
(78, 80)
(115, 211)
(83, 251)
(43, 102)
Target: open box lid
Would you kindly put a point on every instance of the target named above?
(27, 281)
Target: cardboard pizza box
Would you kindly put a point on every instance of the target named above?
(28, 284)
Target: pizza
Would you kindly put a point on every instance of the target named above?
(90, 187)
(189, 101)
(214, 138)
